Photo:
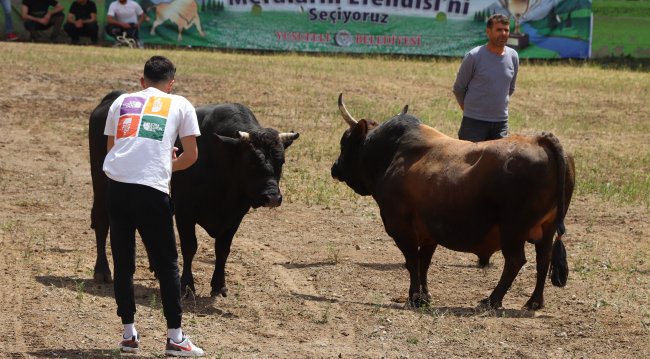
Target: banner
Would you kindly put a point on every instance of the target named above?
(540, 28)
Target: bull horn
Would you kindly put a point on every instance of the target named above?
(344, 112)
(404, 110)
(244, 136)
(288, 136)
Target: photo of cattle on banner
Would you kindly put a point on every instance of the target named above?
(239, 167)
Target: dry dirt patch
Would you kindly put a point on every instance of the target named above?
(306, 281)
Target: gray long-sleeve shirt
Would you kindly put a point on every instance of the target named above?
(485, 82)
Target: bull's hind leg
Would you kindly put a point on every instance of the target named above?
(543, 256)
(189, 246)
(197, 23)
(102, 271)
(100, 223)
(515, 258)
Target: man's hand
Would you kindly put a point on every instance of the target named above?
(189, 155)
(44, 20)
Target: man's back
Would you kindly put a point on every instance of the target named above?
(145, 125)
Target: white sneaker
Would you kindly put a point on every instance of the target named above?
(183, 349)
(130, 345)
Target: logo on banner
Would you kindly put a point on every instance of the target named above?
(343, 38)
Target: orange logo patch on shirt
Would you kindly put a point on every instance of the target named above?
(157, 105)
(127, 126)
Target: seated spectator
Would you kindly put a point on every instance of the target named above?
(9, 25)
(125, 16)
(38, 17)
(82, 21)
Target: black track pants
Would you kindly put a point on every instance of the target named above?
(137, 207)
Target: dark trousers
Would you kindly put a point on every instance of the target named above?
(55, 23)
(75, 33)
(136, 207)
(115, 31)
(477, 130)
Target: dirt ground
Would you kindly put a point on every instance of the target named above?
(305, 281)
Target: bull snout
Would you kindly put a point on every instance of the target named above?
(336, 171)
(272, 200)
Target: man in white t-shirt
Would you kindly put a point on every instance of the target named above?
(125, 16)
(142, 128)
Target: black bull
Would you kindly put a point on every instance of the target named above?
(239, 167)
(470, 197)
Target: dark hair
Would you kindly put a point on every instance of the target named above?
(500, 18)
(159, 69)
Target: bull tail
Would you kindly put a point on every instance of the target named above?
(553, 143)
(559, 267)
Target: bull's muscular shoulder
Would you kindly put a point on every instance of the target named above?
(226, 119)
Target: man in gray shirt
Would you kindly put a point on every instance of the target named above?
(484, 83)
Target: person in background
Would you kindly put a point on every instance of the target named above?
(82, 21)
(484, 83)
(9, 24)
(38, 16)
(125, 17)
(142, 128)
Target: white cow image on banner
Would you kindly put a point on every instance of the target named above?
(183, 13)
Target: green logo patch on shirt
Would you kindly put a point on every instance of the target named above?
(152, 127)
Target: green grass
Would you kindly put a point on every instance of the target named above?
(621, 28)
(600, 115)
(638, 8)
(621, 36)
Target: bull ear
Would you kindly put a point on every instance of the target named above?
(360, 130)
(287, 138)
(225, 141)
(404, 110)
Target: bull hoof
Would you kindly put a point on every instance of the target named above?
(534, 305)
(419, 300)
(102, 277)
(489, 304)
(223, 291)
(189, 290)
(189, 293)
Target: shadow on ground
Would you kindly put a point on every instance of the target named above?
(434, 311)
(145, 296)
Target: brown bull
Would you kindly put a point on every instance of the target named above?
(183, 13)
(470, 197)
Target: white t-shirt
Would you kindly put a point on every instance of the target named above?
(145, 125)
(128, 12)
